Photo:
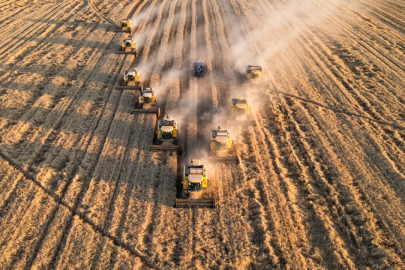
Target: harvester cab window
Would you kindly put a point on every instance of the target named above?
(194, 186)
(168, 123)
(221, 146)
(167, 135)
(222, 133)
(196, 170)
(240, 111)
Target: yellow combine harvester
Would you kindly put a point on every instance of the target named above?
(128, 47)
(125, 25)
(147, 102)
(254, 72)
(166, 136)
(221, 147)
(132, 80)
(240, 113)
(194, 186)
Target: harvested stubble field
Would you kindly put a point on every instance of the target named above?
(321, 178)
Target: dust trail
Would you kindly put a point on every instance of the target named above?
(292, 20)
(259, 48)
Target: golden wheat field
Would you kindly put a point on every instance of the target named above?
(320, 182)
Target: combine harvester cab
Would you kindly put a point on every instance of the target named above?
(128, 47)
(240, 113)
(194, 186)
(166, 136)
(125, 25)
(221, 147)
(199, 68)
(132, 80)
(254, 74)
(147, 102)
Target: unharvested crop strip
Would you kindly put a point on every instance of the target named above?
(58, 122)
(110, 212)
(43, 26)
(132, 177)
(61, 197)
(10, 21)
(30, 112)
(117, 242)
(63, 192)
(101, 15)
(75, 207)
(82, 192)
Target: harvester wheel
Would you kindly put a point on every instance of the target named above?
(158, 142)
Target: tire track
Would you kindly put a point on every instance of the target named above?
(47, 18)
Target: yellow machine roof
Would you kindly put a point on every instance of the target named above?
(221, 138)
(240, 105)
(195, 178)
(167, 128)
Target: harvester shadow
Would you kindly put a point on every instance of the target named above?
(44, 116)
(90, 24)
(74, 212)
(50, 72)
(137, 185)
(67, 42)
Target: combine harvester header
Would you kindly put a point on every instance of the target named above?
(194, 186)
